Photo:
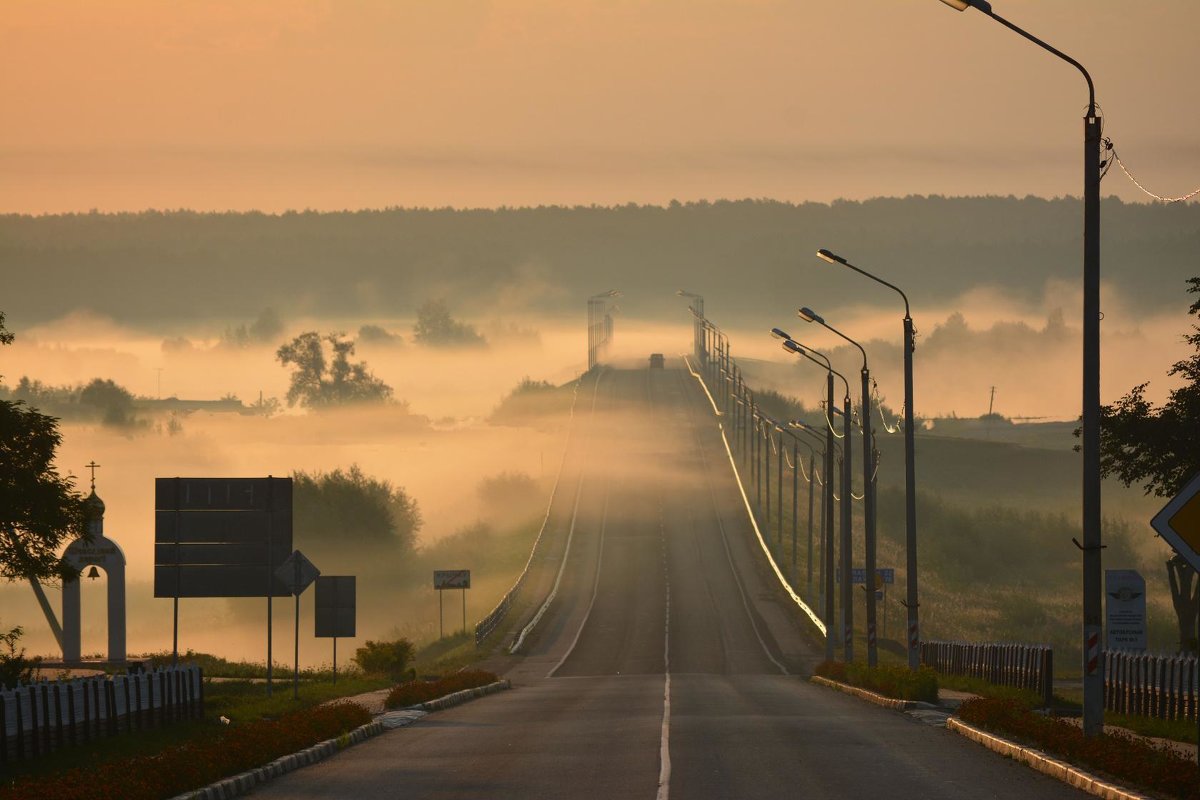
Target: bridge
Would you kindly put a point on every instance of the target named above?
(662, 655)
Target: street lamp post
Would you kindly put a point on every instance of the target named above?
(808, 315)
(598, 328)
(1093, 665)
(812, 479)
(910, 479)
(818, 358)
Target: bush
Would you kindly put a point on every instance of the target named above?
(202, 761)
(889, 680)
(385, 658)
(14, 666)
(1125, 757)
(415, 692)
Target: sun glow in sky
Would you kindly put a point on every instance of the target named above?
(275, 104)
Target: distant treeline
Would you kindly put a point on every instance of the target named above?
(746, 257)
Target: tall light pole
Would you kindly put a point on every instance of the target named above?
(821, 360)
(803, 427)
(910, 476)
(698, 315)
(1093, 665)
(808, 315)
(596, 326)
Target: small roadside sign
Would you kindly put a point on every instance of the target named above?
(882, 575)
(452, 579)
(1125, 606)
(1179, 522)
(297, 572)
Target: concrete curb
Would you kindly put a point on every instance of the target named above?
(458, 698)
(240, 784)
(871, 697)
(243, 783)
(1043, 763)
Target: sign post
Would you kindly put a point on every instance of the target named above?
(296, 573)
(451, 579)
(335, 610)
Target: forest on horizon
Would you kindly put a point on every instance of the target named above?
(148, 267)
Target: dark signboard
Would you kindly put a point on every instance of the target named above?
(221, 537)
(335, 606)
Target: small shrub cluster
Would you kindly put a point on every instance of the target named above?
(414, 692)
(198, 763)
(889, 680)
(14, 666)
(385, 658)
(1125, 757)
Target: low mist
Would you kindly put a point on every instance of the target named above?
(437, 441)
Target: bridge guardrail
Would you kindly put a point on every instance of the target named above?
(489, 623)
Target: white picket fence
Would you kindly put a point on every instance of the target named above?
(41, 717)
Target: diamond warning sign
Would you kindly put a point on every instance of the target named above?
(1179, 522)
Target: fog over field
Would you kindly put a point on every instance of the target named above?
(119, 298)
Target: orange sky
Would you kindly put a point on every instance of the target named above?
(274, 104)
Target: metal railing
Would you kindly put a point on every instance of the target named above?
(486, 626)
(42, 717)
(1022, 666)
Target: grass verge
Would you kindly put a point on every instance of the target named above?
(214, 753)
(240, 701)
(888, 680)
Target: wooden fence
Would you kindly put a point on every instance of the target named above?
(46, 716)
(1022, 666)
(1150, 685)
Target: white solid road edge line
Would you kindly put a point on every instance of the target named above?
(750, 512)
(664, 748)
(558, 580)
(595, 589)
(566, 551)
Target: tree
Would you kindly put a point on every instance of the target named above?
(113, 402)
(1160, 448)
(343, 514)
(318, 383)
(39, 509)
(436, 327)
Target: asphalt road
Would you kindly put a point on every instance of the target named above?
(668, 665)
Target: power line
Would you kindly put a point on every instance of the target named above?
(1109, 147)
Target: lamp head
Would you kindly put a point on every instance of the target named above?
(778, 334)
(808, 315)
(963, 5)
(832, 258)
(793, 347)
